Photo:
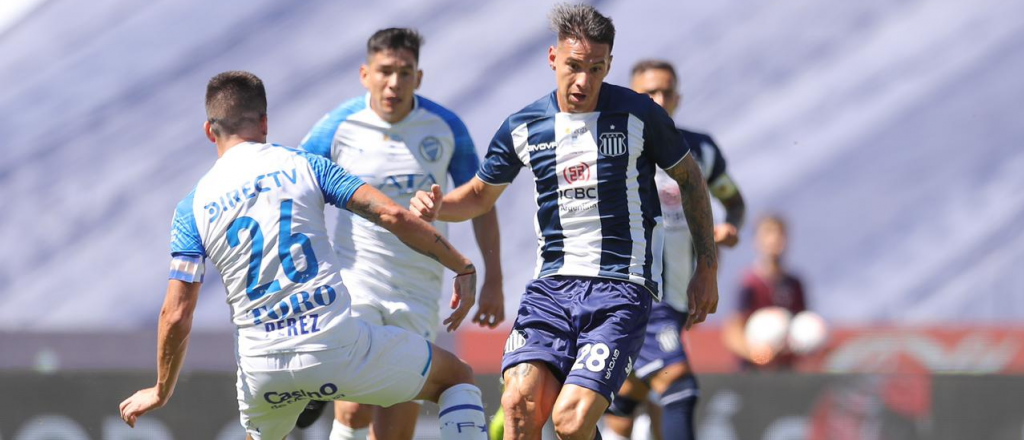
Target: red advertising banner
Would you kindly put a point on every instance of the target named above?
(973, 350)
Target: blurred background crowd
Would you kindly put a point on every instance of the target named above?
(877, 144)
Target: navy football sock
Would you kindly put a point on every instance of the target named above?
(622, 406)
(678, 403)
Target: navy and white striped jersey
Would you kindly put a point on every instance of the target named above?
(598, 213)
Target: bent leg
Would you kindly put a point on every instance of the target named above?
(396, 422)
(577, 412)
(678, 393)
(530, 393)
(618, 419)
(450, 384)
(351, 420)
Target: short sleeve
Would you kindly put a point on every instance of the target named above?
(320, 139)
(501, 165)
(336, 184)
(717, 162)
(187, 253)
(185, 239)
(662, 139)
(464, 162)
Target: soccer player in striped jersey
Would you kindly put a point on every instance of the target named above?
(399, 142)
(593, 149)
(662, 365)
(258, 215)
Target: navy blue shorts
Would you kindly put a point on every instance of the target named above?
(588, 330)
(662, 343)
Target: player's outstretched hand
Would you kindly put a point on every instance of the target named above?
(143, 401)
(726, 235)
(463, 298)
(491, 311)
(427, 205)
(703, 295)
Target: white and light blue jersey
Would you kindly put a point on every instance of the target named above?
(597, 205)
(399, 159)
(258, 215)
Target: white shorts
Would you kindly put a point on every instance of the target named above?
(377, 305)
(386, 365)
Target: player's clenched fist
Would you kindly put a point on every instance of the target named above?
(702, 294)
(427, 205)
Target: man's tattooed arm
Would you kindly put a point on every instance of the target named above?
(697, 208)
(420, 236)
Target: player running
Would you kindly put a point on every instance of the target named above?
(662, 365)
(593, 149)
(399, 143)
(258, 215)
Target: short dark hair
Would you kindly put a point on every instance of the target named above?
(395, 39)
(234, 99)
(655, 64)
(582, 22)
(775, 220)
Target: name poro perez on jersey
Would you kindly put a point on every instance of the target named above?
(258, 215)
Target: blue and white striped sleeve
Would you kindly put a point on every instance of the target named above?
(501, 165)
(336, 184)
(187, 253)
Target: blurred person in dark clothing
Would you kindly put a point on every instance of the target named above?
(768, 283)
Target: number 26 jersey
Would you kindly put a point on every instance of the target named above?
(258, 215)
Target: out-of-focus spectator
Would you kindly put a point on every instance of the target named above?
(767, 283)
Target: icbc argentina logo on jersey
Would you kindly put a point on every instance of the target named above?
(612, 144)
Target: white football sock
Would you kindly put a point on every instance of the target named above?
(462, 413)
(342, 432)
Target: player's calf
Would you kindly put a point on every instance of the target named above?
(450, 384)
(351, 421)
(577, 412)
(678, 403)
(530, 393)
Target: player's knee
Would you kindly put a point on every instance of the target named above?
(570, 421)
(353, 415)
(571, 427)
(462, 373)
(681, 391)
(622, 406)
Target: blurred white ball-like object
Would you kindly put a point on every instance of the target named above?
(768, 328)
(807, 333)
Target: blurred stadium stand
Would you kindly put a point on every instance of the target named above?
(888, 132)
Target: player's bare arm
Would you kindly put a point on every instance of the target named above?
(726, 191)
(421, 237)
(172, 342)
(471, 200)
(491, 310)
(703, 288)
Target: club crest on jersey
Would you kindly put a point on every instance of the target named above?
(431, 149)
(516, 340)
(612, 144)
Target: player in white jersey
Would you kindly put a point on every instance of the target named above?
(592, 148)
(398, 142)
(663, 365)
(258, 215)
